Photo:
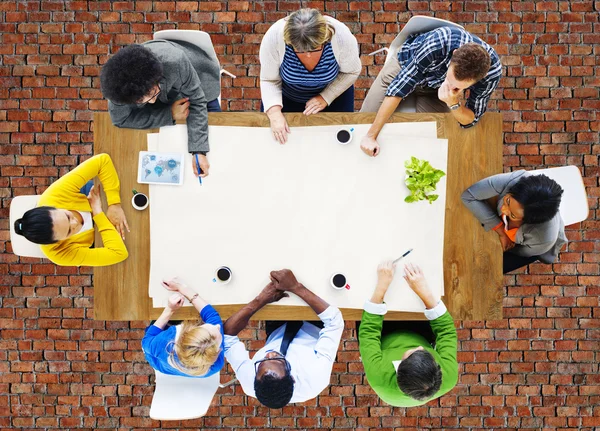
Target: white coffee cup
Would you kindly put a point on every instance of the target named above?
(218, 279)
(342, 134)
(137, 207)
(336, 276)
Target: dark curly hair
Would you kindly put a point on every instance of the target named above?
(130, 74)
(36, 225)
(419, 376)
(540, 197)
(471, 62)
(274, 392)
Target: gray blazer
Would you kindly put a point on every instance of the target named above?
(187, 72)
(543, 240)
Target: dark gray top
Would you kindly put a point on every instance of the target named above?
(187, 72)
(542, 239)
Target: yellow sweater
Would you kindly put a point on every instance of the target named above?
(64, 194)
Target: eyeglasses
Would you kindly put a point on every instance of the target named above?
(141, 105)
(288, 367)
(306, 52)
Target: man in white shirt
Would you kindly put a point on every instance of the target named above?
(295, 364)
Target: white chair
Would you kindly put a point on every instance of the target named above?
(574, 204)
(182, 398)
(417, 24)
(196, 37)
(20, 245)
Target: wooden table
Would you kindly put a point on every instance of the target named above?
(472, 257)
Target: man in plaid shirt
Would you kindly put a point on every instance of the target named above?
(437, 68)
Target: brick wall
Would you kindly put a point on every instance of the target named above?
(537, 369)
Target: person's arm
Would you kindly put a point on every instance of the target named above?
(197, 121)
(176, 285)
(239, 320)
(479, 96)
(150, 116)
(349, 62)
(535, 240)
(270, 60)
(286, 281)
(446, 344)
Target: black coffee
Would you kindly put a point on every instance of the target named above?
(223, 274)
(140, 200)
(343, 136)
(339, 280)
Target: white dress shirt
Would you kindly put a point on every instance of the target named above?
(311, 355)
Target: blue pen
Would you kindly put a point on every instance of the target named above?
(403, 256)
(199, 170)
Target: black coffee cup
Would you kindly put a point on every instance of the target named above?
(139, 201)
(344, 136)
(223, 275)
(338, 281)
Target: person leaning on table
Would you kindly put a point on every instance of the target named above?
(296, 362)
(190, 349)
(308, 63)
(63, 222)
(402, 366)
(439, 66)
(160, 82)
(523, 209)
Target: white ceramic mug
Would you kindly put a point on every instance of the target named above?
(137, 207)
(345, 286)
(217, 279)
(344, 129)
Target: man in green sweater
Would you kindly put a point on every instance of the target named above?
(402, 366)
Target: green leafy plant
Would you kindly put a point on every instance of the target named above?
(421, 180)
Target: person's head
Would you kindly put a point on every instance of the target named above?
(307, 30)
(419, 376)
(47, 225)
(469, 64)
(533, 199)
(197, 347)
(273, 384)
(131, 76)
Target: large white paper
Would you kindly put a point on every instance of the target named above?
(312, 205)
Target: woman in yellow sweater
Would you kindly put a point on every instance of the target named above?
(62, 222)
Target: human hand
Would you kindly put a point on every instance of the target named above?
(505, 241)
(271, 294)
(204, 165)
(448, 95)
(117, 217)
(279, 125)
(93, 198)
(180, 109)
(285, 280)
(314, 105)
(369, 146)
(175, 301)
(385, 274)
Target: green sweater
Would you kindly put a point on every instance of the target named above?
(377, 356)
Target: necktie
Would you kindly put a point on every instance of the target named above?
(291, 329)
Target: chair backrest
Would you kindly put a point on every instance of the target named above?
(417, 24)
(574, 204)
(20, 245)
(199, 38)
(182, 398)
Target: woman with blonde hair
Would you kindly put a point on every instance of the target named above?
(191, 349)
(308, 63)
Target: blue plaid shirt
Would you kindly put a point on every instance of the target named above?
(425, 59)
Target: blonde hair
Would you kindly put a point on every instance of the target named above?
(306, 29)
(196, 348)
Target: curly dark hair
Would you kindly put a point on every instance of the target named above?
(540, 197)
(274, 392)
(471, 62)
(130, 74)
(419, 376)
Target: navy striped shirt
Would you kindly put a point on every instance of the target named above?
(425, 59)
(300, 85)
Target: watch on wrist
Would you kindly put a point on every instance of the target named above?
(455, 106)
